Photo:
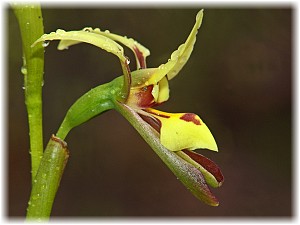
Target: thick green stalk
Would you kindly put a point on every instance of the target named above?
(47, 180)
(31, 26)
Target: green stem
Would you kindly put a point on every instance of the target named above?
(47, 180)
(31, 26)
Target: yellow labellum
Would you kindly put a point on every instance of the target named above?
(183, 131)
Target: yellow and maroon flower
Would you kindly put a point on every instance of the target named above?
(143, 89)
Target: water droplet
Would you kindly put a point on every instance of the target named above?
(35, 197)
(34, 180)
(107, 31)
(24, 70)
(127, 60)
(23, 88)
(45, 44)
(42, 84)
(87, 29)
(29, 203)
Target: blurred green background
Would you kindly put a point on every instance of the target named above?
(238, 79)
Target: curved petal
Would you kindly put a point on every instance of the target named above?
(140, 52)
(105, 43)
(179, 57)
(183, 131)
(74, 37)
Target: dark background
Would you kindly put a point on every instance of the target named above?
(238, 80)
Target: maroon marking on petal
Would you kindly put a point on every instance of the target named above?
(145, 97)
(207, 164)
(153, 122)
(190, 117)
(140, 57)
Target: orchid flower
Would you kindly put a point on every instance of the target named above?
(173, 136)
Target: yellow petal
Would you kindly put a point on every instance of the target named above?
(163, 94)
(160, 91)
(155, 92)
(179, 57)
(183, 131)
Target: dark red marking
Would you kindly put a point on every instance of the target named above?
(140, 57)
(153, 122)
(207, 164)
(190, 117)
(145, 97)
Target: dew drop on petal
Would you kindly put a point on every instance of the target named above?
(24, 70)
(87, 29)
(127, 60)
(45, 44)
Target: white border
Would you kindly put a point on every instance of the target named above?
(139, 3)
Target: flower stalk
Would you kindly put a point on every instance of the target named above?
(30, 21)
